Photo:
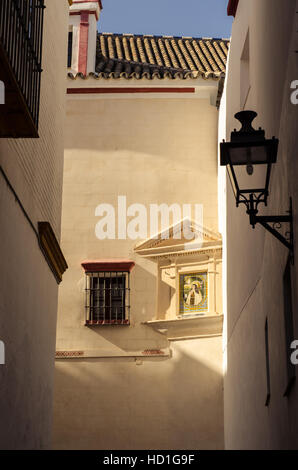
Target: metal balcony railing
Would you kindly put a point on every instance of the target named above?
(21, 28)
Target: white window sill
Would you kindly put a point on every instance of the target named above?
(202, 326)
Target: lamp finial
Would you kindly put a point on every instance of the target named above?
(246, 118)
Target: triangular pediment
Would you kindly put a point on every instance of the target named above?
(185, 236)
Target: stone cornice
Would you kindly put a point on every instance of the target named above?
(214, 251)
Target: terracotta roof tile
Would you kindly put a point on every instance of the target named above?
(156, 51)
(146, 56)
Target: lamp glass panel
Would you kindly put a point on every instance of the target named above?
(251, 182)
(248, 155)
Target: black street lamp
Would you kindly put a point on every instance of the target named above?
(249, 157)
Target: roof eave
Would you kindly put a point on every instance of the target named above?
(232, 7)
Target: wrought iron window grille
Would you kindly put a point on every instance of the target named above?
(107, 299)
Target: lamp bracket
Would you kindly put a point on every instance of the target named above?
(276, 221)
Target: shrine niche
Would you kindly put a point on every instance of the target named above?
(189, 276)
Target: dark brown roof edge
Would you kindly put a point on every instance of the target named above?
(220, 91)
(232, 7)
(187, 75)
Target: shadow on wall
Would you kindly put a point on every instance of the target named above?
(152, 147)
(161, 404)
(136, 337)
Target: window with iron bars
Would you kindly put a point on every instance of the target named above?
(107, 298)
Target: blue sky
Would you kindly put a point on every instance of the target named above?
(197, 18)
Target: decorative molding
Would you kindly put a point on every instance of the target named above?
(206, 238)
(107, 265)
(78, 13)
(107, 322)
(87, 6)
(202, 326)
(51, 250)
(75, 2)
(64, 354)
(110, 354)
(153, 352)
(117, 90)
(214, 252)
(209, 243)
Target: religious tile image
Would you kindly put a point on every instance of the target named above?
(193, 293)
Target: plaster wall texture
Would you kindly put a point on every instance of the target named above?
(35, 166)
(153, 155)
(28, 290)
(255, 260)
(153, 150)
(28, 293)
(160, 404)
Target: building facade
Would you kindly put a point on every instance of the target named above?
(260, 398)
(139, 345)
(33, 36)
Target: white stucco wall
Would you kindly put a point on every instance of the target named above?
(153, 150)
(28, 290)
(28, 308)
(255, 260)
(160, 404)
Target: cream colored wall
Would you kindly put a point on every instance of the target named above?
(152, 150)
(255, 260)
(28, 290)
(120, 147)
(160, 404)
(35, 166)
(29, 295)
